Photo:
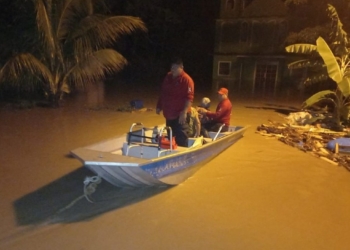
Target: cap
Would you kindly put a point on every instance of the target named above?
(223, 91)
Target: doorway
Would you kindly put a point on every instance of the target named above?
(265, 80)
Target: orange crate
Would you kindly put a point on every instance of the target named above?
(165, 142)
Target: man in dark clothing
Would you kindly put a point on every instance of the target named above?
(222, 115)
(175, 101)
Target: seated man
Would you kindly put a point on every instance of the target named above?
(205, 103)
(222, 115)
(194, 124)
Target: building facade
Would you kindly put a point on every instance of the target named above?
(249, 55)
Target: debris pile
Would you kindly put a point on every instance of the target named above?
(311, 139)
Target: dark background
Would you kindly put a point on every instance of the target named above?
(175, 28)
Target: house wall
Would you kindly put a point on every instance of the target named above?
(243, 72)
(233, 8)
(230, 8)
(223, 80)
(261, 36)
(245, 42)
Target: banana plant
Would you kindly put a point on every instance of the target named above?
(335, 66)
(337, 69)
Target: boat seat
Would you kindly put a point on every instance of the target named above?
(147, 150)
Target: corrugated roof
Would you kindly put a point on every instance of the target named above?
(265, 8)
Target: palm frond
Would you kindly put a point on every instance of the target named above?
(301, 48)
(99, 31)
(95, 67)
(69, 29)
(45, 28)
(71, 14)
(25, 65)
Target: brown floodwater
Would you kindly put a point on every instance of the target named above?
(258, 194)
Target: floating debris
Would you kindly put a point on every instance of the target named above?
(311, 139)
(134, 106)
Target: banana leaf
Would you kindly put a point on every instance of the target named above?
(305, 63)
(319, 77)
(344, 86)
(340, 35)
(344, 112)
(329, 59)
(332, 12)
(301, 48)
(319, 96)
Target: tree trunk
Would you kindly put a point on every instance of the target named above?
(54, 100)
(337, 110)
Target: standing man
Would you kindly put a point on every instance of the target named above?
(222, 115)
(175, 100)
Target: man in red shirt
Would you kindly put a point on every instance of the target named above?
(222, 115)
(175, 101)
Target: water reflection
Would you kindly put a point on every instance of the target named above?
(95, 94)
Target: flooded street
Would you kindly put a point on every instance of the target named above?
(258, 194)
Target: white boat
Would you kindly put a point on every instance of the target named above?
(136, 159)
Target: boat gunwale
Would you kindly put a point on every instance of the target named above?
(144, 168)
(153, 160)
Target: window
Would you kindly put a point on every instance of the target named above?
(224, 68)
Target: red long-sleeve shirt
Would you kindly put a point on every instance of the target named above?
(223, 112)
(175, 92)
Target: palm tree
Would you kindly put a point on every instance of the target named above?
(73, 47)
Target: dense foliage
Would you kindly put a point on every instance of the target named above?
(73, 47)
(331, 61)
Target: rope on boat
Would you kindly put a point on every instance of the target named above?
(90, 185)
(69, 205)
